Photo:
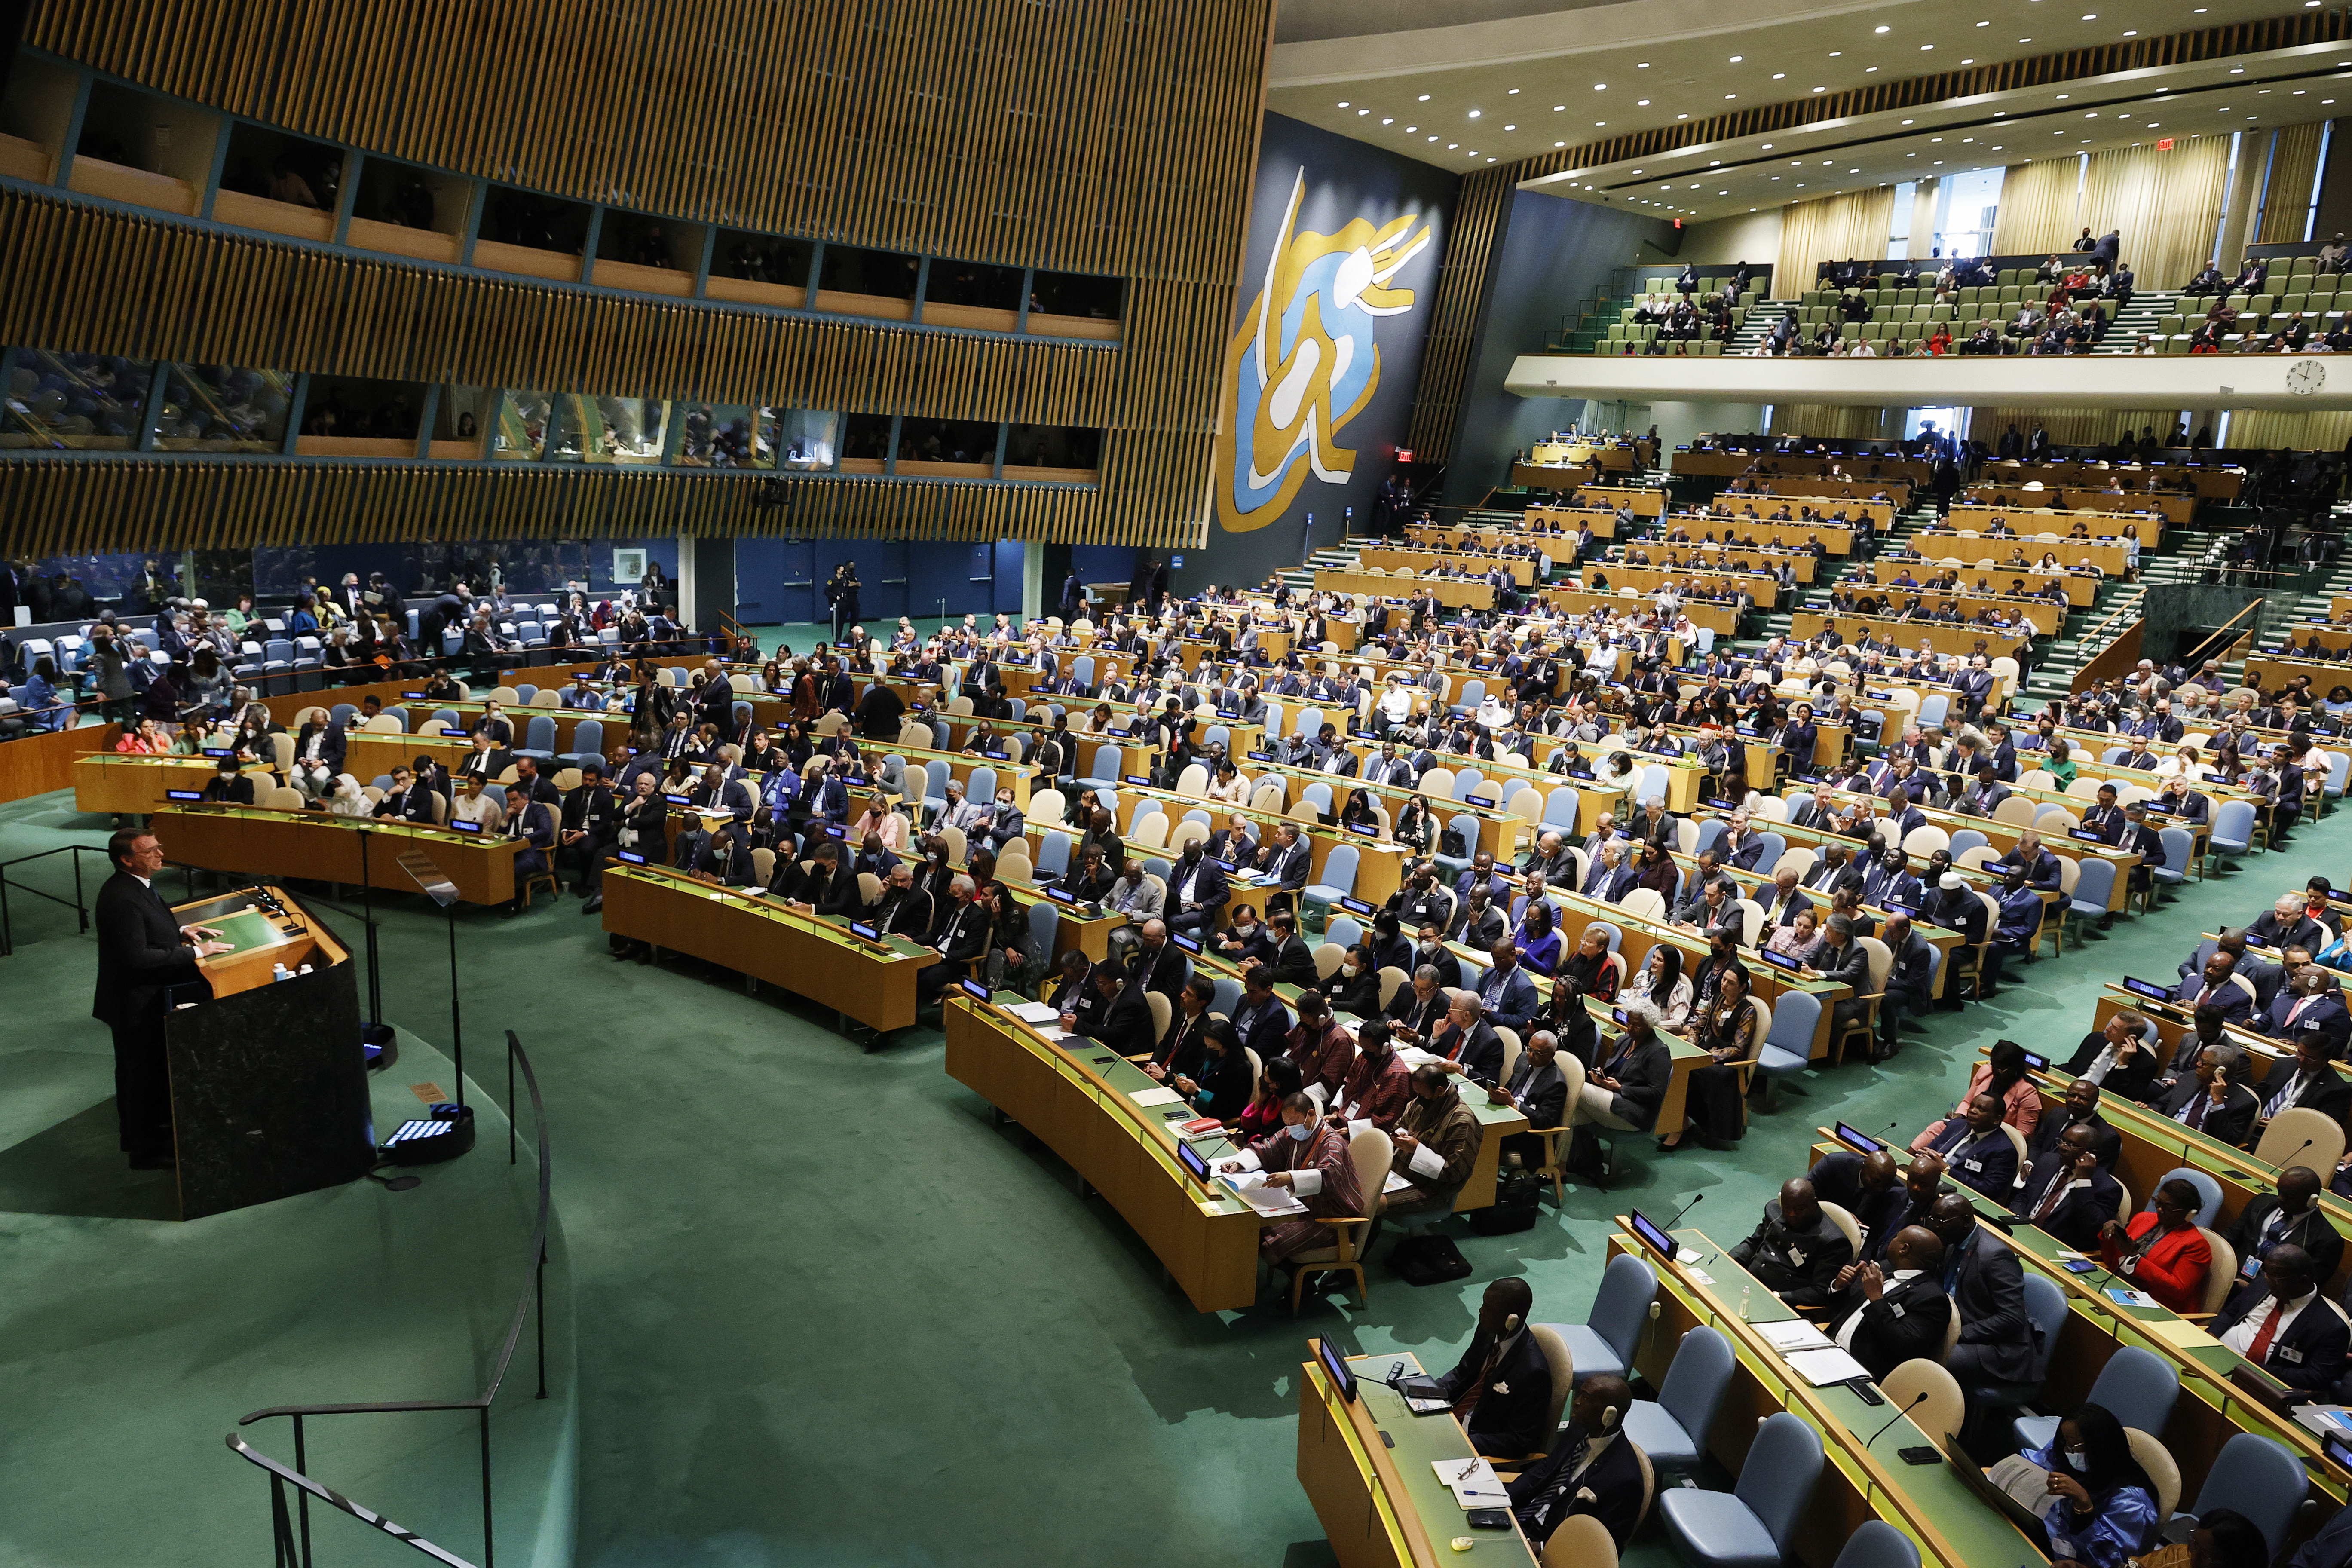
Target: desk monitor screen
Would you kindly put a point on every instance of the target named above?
(1137, 778)
(1189, 1158)
(1184, 943)
(218, 751)
(1356, 907)
(193, 794)
(2148, 988)
(1335, 1366)
(1261, 756)
(1484, 801)
(1780, 960)
(1369, 829)
(2338, 1451)
(1061, 895)
(464, 827)
(1656, 1240)
(1584, 773)
(972, 988)
(1998, 868)
(411, 696)
(630, 858)
(679, 799)
(835, 830)
(2088, 836)
(859, 928)
(995, 756)
(2264, 1389)
(454, 731)
(2038, 1064)
(1861, 1142)
(1894, 909)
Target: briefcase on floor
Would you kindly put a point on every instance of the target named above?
(1428, 1260)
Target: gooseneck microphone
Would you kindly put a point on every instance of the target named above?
(1682, 1211)
(1916, 1400)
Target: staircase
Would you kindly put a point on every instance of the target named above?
(2136, 321)
(1336, 557)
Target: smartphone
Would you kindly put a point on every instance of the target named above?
(1921, 1455)
(2079, 1265)
(1489, 1519)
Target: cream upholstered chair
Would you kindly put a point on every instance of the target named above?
(2284, 1137)
(1847, 1227)
(2158, 1463)
(1372, 1152)
(1943, 1410)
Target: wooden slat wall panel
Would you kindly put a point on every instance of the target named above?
(1454, 319)
(50, 507)
(1104, 136)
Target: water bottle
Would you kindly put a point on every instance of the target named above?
(1746, 1291)
(279, 971)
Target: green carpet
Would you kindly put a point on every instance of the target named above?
(827, 1310)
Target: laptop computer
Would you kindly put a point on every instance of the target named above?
(2028, 1524)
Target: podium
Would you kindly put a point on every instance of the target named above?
(270, 1091)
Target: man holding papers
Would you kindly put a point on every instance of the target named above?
(1886, 1316)
(1309, 1157)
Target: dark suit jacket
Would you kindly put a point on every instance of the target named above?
(1481, 1055)
(1125, 1025)
(140, 951)
(1542, 1091)
(1542, 1496)
(2314, 1236)
(2326, 1091)
(1988, 1163)
(1293, 963)
(2130, 1080)
(1989, 1289)
(1643, 1076)
(2105, 1142)
(2310, 1353)
(1513, 1423)
(2081, 1210)
(2231, 1123)
(1837, 1179)
(1906, 1322)
(2325, 1014)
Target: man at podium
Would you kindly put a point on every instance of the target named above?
(142, 950)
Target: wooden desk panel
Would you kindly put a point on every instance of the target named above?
(1909, 635)
(810, 957)
(1448, 591)
(321, 846)
(134, 785)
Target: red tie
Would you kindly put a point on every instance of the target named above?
(2262, 1345)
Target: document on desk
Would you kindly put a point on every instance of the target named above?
(1414, 1056)
(1473, 1482)
(1160, 1096)
(1034, 1012)
(1272, 1202)
(1821, 1368)
(1794, 1335)
(2179, 1332)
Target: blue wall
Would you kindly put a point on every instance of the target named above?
(1345, 180)
(780, 580)
(1551, 255)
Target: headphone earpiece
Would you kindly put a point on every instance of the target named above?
(1511, 1324)
(1609, 1418)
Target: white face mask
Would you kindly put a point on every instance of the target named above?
(1302, 1131)
(2078, 1461)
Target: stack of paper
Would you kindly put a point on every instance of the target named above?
(1821, 1368)
(1792, 1336)
(1160, 1096)
(1271, 1202)
(1034, 1012)
(1473, 1482)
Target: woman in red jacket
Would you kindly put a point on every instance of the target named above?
(2163, 1253)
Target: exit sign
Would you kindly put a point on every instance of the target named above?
(1404, 455)
(2164, 144)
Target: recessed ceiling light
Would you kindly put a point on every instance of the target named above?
(1835, 53)
(1768, 146)
(1820, 90)
(1972, 61)
(1935, 139)
(1640, 103)
(1780, 76)
(1867, 70)
(2062, 97)
(1596, 124)
(1557, 108)
(1514, 128)
(1450, 146)
(1730, 96)
(1682, 117)
(1737, 59)
(1343, 103)
(2237, 70)
(1432, 139)
(1881, 27)
(1925, 47)
(1424, 98)
(1388, 122)
(1363, 111)
(1474, 113)
(1515, 92)
(1564, 144)
(2131, 33)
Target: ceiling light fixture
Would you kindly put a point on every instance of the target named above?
(1474, 113)
(1424, 98)
(1881, 27)
(1737, 59)
(1640, 103)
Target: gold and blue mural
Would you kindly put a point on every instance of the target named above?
(1307, 360)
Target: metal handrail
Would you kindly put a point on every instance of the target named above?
(80, 907)
(534, 1296)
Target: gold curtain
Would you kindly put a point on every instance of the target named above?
(1831, 229)
(2286, 200)
(1837, 421)
(2320, 430)
(2038, 207)
(2079, 427)
(2168, 204)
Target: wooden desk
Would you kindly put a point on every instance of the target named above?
(872, 982)
(1366, 1465)
(1722, 619)
(1379, 872)
(2079, 590)
(1719, 557)
(1761, 586)
(1571, 521)
(134, 785)
(1449, 591)
(2056, 512)
(1909, 635)
(1969, 544)
(1929, 1503)
(1798, 487)
(1078, 1103)
(1395, 560)
(2043, 616)
(1747, 533)
(323, 848)
(2214, 481)
(1729, 463)
(1723, 509)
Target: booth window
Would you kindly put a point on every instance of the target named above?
(70, 402)
(223, 408)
